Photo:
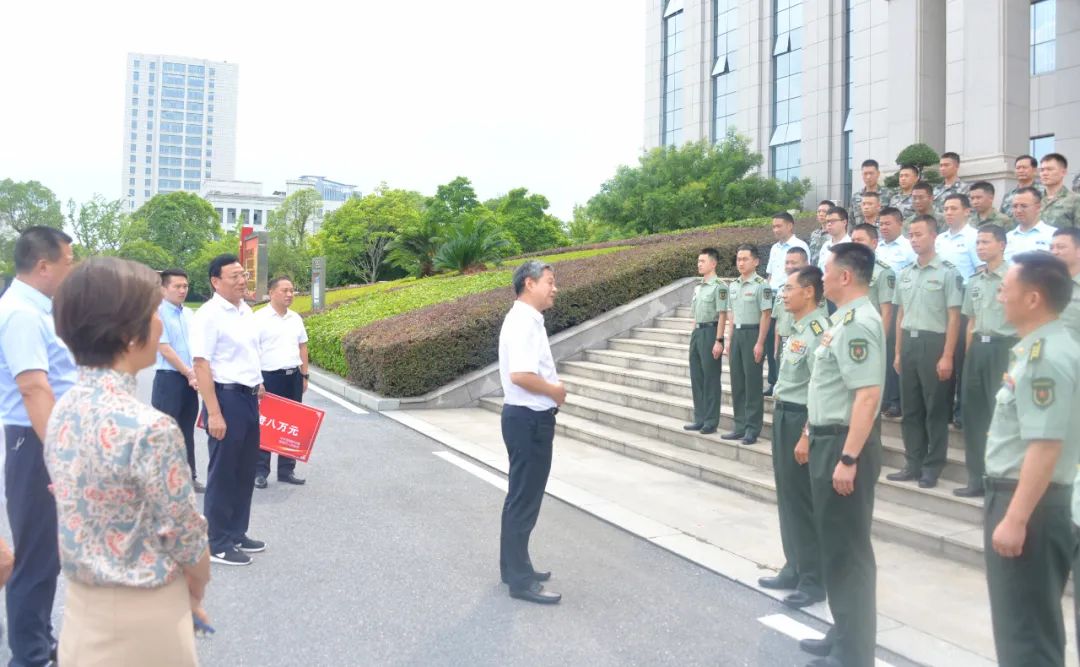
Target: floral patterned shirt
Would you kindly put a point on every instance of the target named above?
(124, 499)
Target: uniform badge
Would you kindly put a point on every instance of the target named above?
(816, 328)
(892, 282)
(859, 349)
(850, 317)
(1036, 350)
(723, 293)
(1042, 390)
(796, 346)
(768, 293)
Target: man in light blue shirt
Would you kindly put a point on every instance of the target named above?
(1030, 233)
(36, 369)
(175, 389)
(893, 248)
(957, 242)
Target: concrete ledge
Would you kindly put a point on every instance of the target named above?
(471, 387)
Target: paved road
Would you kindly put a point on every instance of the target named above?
(389, 556)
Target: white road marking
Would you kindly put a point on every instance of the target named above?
(787, 625)
(340, 401)
(472, 469)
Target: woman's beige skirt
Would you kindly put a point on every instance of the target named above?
(127, 627)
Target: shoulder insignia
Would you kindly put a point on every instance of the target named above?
(948, 264)
(1036, 350)
(983, 268)
(882, 264)
(850, 317)
(1042, 392)
(816, 328)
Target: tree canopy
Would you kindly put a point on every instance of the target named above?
(357, 237)
(180, 223)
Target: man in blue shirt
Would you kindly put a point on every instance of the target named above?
(175, 389)
(36, 369)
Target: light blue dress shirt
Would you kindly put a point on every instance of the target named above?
(898, 253)
(28, 342)
(959, 249)
(177, 321)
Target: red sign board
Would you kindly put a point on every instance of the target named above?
(285, 427)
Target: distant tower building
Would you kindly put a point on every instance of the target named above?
(334, 194)
(179, 125)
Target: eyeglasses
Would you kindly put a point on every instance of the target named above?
(245, 275)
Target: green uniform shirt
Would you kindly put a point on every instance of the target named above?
(1061, 210)
(941, 191)
(855, 210)
(882, 285)
(797, 361)
(994, 218)
(850, 356)
(1071, 317)
(901, 201)
(926, 293)
(747, 298)
(783, 315)
(1038, 400)
(710, 299)
(981, 303)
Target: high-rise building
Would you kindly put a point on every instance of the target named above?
(818, 86)
(334, 194)
(179, 125)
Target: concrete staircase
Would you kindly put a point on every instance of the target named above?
(634, 397)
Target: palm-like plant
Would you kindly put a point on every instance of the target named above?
(414, 248)
(470, 245)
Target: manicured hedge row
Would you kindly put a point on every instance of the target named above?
(416, 352)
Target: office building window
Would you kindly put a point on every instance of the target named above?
(208, 164)
(131, 192)
(153, 65)
(169, 150)
(135, 64)
(131, 169)
(192, 162)
(1042, 145)
(725, 36)
(672, 115)
(195, 83)
(134, 136)
(194, 118)
(191, 185)
(194, 106)
(211, 71)
(132, 148)
(172, 80)
(847, 136)
(131, 181)
(153, 77)
(149, 148)
(149, 137)
(170, 139)
(211, 84)
(193, 129)
(193, 141)
(153, 91)
(210, 119)
(146, 173)
(195, 95)
(192, 152)
(169, 161)
(150, 103)
(175, 68)
(172, 104)
(177, 93)
(191, 173)
(131, 158)
(169, 173)
(196, 70)
(146, 193)
(208, 174)
(165, 183)
(172, 115)
(209, 153)
(134, 76)
(787, 90)
(210, 108)
(172, 127)
(134, 124)
(1043, 36)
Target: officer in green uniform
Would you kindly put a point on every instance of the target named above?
(883, 284)
(1066, 246)
(1060, 207)
(901, 199)
(795, 259)
(845, 456)
(988, 339)
(802, 555)
(922, 203)
(750, 302)
(929, 293)
(1031, 455)
(1027, 172)
(981, 195)
(709, 307)
(871, 175)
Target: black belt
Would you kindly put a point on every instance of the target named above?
(748, 326)
(793, 407)
(704, 325)
(233, 386)
(283, 371)
(830, 429)
(1058, 493)
(983, 338)
(548, 411)
(917, 333)
(168, 370)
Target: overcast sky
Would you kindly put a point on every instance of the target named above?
(546, 95)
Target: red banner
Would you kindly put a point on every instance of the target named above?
(285, 427)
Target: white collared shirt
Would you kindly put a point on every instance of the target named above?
(777, 256)
(898, 254)
(280, 338)
(523, 348)
(1036, 238)
(227, 337)
(958, 248)
(826, 250)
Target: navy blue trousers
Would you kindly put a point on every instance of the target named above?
(174, 396)
(292, 388)
(528, 435)
(32, 514)
(231, 477)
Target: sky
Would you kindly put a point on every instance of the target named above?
(509, 93)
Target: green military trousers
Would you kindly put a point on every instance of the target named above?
(705, 376)
(1026, 591)
(986, 361)
(926, 402)
(746, 382)
(802, 554)
(847, 555)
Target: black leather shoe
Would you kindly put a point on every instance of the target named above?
(708, 430)
(289, 478)
(892, 413)
(799, 599)
(820, 647)
(260, 482)
(969, 492)
(749, 439)
(768, 392)
(537, 576)
(778, 583)
(732, 436)
(904, 475)
(198, 486)
(927, 481)
(535, 593)
(696, 426)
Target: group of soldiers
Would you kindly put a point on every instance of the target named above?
(933, 303)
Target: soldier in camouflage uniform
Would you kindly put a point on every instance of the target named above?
(949, 165)
(1027, 171)
(922, 203)
(901, 199)
(1060, 207)
(871, 210)
(981, 194)
(819, 235)
(870, 177)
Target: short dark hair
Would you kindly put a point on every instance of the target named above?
(872, 195)
(749, 247)
(1030, 159)
(911, 167)
(1056, 157)
(277, 279)
(38, 243)
(711, 252)
(868, 228)
(810, 276)
(840, 211)
(798, 250)
(857, 258)
(168, 274)
(1047, 275)
(930, 221)
(826, 202)
(220, 262)
(785, 216)
(985, 186)
(105, 304)
(1034, 192)
(891, 211)
(1072, 232)
(949, 155)
(997, 230)
(924, 186)
(870, 163)
(964, 201)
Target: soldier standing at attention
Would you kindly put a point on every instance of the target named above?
(802, 554)
(1030, 233)
(922, 203)
(908, 176)
(1031, 455)
(895, 250)
(988, 338)
(929, 294)
(1027, 168)
(795, 260)
(871, 175)
(709, 307)
(1066, 247)
(819, 235)
(1060, 208)
(750, 301)
(948, 166)
(783, 228)
(845, 457)
(883, 283)
(956, 245)
(981, 195)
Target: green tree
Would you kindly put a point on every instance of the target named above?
(524, 217)
(98, 226)
(413, 249)
(180, 223)
(198, 267)
(922, 156)
(452, 204)
(584, 229)
(357, 237)
(24, 205)
(141, 250)
(471, 244)
(296, 217)
(692, 185)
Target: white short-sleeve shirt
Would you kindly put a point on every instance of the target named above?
(826, 250)
(777, 257)
(1037, 238)
(227, 336)
(280, 338)
(524, 348)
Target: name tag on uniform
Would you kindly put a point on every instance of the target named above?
(914, 334)
(985, 339)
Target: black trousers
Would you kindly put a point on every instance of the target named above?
(771, 356)
(794, 501)
(174, 396)
(31, 511)
(528, 435)
(231, 478)
(292, 388)
(891, 397)
(925, 401)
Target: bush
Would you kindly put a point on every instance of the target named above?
(922, 156)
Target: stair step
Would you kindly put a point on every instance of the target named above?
(676, 323)
(661, 335)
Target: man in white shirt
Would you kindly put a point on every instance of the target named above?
(1030, 233)
(284, 357)
(225, 349)
(894, 248)
(957, 242)
(783, 228)
(532, 394)
(836, 221)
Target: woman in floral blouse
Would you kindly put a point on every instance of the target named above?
(133, 543)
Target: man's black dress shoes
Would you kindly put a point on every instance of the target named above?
(535, 593)
(800, 599)
(696, 426)
(904, 475)
(749, 439)
(537, 576)
(927, 481)
(778, 583)
(708, 430)
(969, 492)
(260, 482)
(289, 478)
(821, 647)
(732, 436)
